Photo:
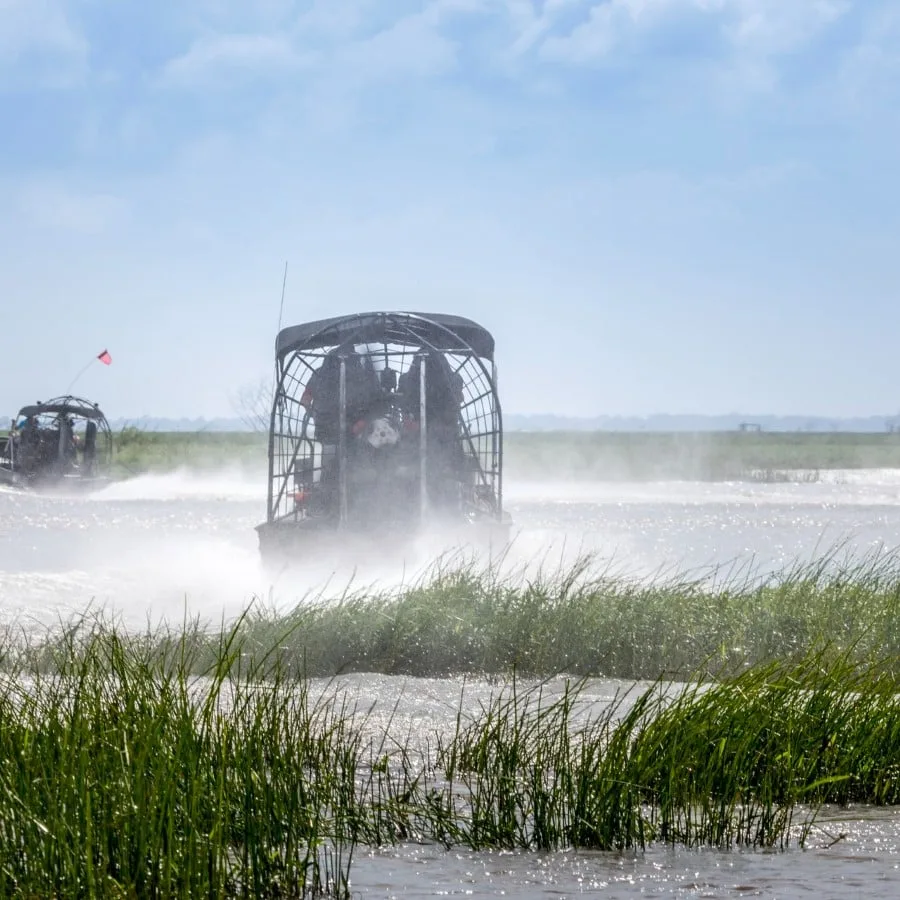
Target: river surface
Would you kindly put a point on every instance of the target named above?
(164, 547)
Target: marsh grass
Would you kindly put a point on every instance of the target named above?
(191, 762)
(720, 763)
(464, 616)
(138, 451)
(126, 773)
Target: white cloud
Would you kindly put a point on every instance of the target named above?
(753, 31)
(238, 15)
(775, 26)
(39, 43)
(332, 21)
(611, 22)
(529, 25)
(340, 45)
(412, 46)
(870, 74)
(765, 30)
(247, 54)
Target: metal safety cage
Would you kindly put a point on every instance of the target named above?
(383, 417)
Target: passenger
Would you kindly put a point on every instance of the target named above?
(32, 451)
(443, 391)
(9, 448)
(443, 403)
(29, 441)
(388, 380)
(70, 443)
(89, 446)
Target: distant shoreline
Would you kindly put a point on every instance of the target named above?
(622, 424)
(570, 455)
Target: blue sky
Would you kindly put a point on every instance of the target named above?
(681, 206)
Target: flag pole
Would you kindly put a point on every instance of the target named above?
(104, 357)
(75, 379)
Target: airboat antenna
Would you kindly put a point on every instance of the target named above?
(283, 285)
(280, 316)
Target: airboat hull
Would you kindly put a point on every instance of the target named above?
(65, 484)
(309, 542)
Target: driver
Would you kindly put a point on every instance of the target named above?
(323, 391)
(322, 398)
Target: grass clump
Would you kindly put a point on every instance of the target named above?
(703, 764)
(464, 617)
(123, 775)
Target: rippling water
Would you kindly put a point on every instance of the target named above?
(159, 547)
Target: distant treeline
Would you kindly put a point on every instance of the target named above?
(547, 455)
(551, 422)
(715, 456)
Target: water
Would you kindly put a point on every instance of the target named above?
(164, 547)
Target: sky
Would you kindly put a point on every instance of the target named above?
(656, 206)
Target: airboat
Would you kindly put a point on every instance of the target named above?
(64, 443)
(384, 425)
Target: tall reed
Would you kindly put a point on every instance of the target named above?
(124, 775)
(715, 764)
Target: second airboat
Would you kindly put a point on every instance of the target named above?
(64, 443)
